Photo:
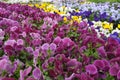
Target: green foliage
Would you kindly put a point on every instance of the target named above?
(73, 34)
(109, 77)
(60, 77)
(47, 78)
(91, 52)
(12, 58)
(6, 37)
(4, 73)
(46, 75)
(17, 73)
(1, 53)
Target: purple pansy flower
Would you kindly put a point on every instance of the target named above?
(91, 69)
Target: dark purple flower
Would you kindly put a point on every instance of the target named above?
(84, 76)
(36, 42)
(101, 51)
(91, 69)
(72, 63)
(114, 70)
(99, 64)
(66, 42)
(117, 53)
(57, 40)
(10, 43)
(8, 78)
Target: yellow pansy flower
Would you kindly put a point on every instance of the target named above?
(37, 5)
(107, 25)
(111, 26)
(65, 19)
(75, 17)
(119, 26)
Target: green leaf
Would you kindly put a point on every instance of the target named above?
(4, 73)
(1, 53)
(60, 77)
(17, 73)
(47, 78)
(109, 77)
(12, 58)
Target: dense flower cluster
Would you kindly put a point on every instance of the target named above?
(38, 45)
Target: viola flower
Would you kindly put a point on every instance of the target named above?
(99, 64)
(72, 63)
(91, 69)
(102, 52)
(119, 26)
(13, 28)
(35, 35)
(3, 64)
(45, 65)
(107, 25)
(67, 42)
(37, 73)
(83, 24)
(10, 43)
(20, 42)
(9, 47)
(45, 46)
(36, 42)
(65, 19)
(53, 46)
(84, 76)
(114, 70)
(36, 53)
(24, 73)
(29, 50)
(117, 52)
(23, 34)
(57, 40)
(52, 52)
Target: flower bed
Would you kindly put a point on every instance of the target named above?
(37, 45)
